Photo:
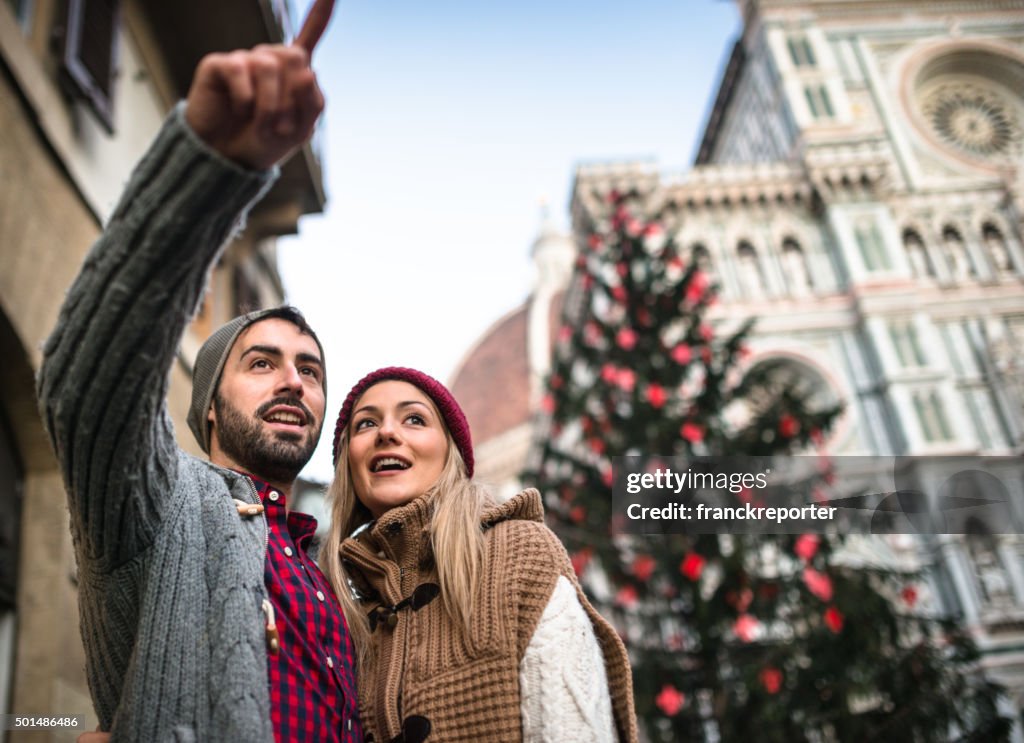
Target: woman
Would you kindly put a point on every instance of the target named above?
(465, 613)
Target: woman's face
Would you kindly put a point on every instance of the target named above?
(397, 445)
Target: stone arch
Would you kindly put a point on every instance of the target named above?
(749, 271)
(796, 267)
(700, 254)
(997, 248)
(917, 253)
(954, 250)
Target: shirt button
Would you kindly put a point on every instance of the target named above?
(320, 595)
(330, 662)
(274, 495)
(288, 551)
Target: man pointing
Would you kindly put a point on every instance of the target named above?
(203, 618)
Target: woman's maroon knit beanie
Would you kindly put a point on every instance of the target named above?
(453, 416)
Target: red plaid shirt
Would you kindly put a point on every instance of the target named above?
(312, 676)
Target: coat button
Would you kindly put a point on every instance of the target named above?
(415, 729)
(394, 527)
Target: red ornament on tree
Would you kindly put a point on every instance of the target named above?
(745, 627)
(643, 567)
(682, 354)
(806, 546)
(627, 597)
(577, 514)
(670, 700)
(595, 242)
(547, 403)
(580, 560)
(834, 619)
(692, 432)
(771, 679)
(656, 395)
(818, 583)
(692, 566)
(626, 338)
(619, 293)
(626, 379)
(909, 596)
(698, 283)
(788, 425)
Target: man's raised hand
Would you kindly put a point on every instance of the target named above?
(257, 106)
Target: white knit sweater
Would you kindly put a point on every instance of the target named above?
(563, 685)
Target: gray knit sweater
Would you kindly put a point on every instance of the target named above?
(170, 576)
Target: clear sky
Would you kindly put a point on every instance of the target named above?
(448, 124)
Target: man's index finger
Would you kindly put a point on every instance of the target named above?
(315, 24)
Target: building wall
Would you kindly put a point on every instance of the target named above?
(60, 175)
(884, 141)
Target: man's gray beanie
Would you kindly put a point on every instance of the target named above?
(210, 363)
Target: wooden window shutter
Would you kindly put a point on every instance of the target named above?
(90, 54)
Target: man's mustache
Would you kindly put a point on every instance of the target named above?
(293, 402)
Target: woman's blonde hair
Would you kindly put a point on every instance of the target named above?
(456, 539)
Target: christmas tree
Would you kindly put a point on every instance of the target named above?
(731, 637)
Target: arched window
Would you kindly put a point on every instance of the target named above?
(956, 254)
(750, 275)
(917, 254)
(794, 264)
(998, 252)
(702, 257)
(991, 576)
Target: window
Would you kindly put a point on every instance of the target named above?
(871, 246)
(932, 417)
(702, 258)
(997, 249)
(908, 349)
(794, 263)
(920, 263)
(751, 278)
(89, 65)
(800, 51)
(992, 579)
(818, 102)
(960, 349)
(957, 259)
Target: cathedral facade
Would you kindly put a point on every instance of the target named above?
(859, 190)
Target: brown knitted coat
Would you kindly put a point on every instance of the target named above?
(426, 674)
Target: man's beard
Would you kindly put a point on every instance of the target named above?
(274, 456)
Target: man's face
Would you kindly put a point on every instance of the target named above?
(269, 406)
